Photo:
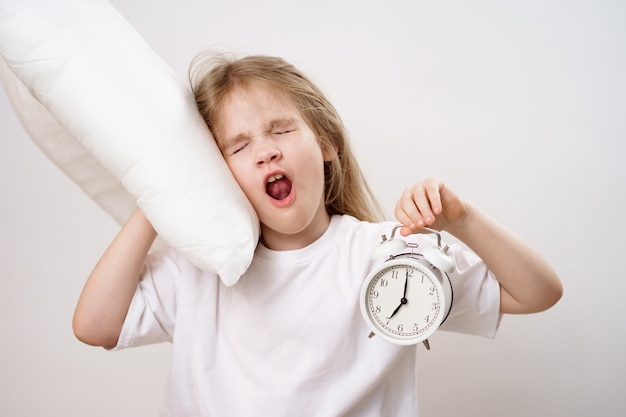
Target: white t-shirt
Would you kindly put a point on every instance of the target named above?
(288, 339)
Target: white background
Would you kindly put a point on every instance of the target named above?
(519, 106)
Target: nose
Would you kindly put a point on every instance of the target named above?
(267, 151)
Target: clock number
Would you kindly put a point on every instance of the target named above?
(378, 309)
(409, 272)
(394, 274)
(432, 291)
(435, 305)
(426, 319)
(400, 328)
(415, 327)
(375, 294)
(384, 282)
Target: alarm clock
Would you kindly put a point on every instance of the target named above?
(406, 298)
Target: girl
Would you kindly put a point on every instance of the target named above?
(288, 339)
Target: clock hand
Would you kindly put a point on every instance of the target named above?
(403, 300)
(396, 310)
(406, 281)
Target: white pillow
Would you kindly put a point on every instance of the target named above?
(116, 119)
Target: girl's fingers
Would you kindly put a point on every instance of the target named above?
(419, 206)
(422, 205)
(433, 191)
(422, 202)
(414, 210)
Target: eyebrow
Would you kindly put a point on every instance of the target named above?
(234, 140)
(276, 123)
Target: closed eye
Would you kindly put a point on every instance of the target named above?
(283, 132)
(239, 148)
(281, 126)
(236, 147)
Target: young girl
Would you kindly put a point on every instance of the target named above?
(288, 339)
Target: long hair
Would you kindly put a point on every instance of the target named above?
(214, 76)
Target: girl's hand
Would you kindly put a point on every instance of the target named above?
(528, 284)
(430, 203)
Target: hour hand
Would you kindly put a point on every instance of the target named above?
(403, 301)
(396, 310)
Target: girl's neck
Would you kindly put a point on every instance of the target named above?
(279, 241)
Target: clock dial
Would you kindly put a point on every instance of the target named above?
(404, 301)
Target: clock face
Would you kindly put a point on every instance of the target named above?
(403, 301)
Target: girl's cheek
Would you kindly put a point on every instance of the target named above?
(239, 174)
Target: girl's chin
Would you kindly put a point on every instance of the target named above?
(283, 228)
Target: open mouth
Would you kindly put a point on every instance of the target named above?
(278, 186)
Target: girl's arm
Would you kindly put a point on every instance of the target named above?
(106, 297)
(528, 284)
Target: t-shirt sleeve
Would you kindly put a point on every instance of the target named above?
(152, 312)
(476, 297)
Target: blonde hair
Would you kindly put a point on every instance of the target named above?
(214, 76)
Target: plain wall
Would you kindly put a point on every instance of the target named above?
(519, 106)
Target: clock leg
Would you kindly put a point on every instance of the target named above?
(427, 344)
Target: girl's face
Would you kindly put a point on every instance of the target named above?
(276, 159)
